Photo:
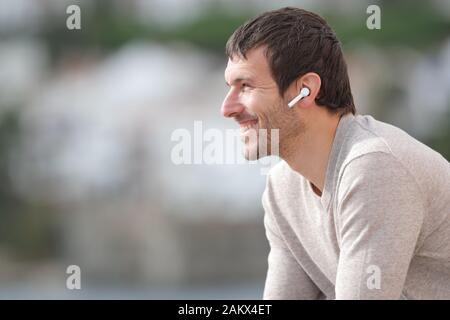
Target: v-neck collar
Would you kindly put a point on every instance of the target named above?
(332, 170)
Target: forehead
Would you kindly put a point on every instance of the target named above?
(254, 67)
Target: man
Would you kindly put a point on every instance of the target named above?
(357, 209)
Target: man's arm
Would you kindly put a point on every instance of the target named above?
(380, 214)
(285, 279)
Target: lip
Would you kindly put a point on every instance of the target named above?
(246, 125)
(248, 122)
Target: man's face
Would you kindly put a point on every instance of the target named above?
(254, 102)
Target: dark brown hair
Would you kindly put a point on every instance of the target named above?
(297, 42)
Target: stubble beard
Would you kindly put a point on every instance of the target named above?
(290, 130)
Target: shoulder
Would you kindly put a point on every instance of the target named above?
(373, 152)
(377, 175)
(365, 138)
(373, 164)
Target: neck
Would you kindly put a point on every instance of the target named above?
(309, 152)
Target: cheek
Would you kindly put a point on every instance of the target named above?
(259, 103)
(253, 102)
(275, 116)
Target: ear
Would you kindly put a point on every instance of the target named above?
(312, 81)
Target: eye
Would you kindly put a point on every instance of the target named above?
(245, 86)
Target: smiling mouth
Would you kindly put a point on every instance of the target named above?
(245, 126)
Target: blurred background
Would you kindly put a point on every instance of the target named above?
(86, 118)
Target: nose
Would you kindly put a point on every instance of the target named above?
(231, 106)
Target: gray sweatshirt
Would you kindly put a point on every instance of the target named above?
(380, 230)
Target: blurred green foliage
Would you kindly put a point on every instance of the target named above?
(105, 29)
(440, 141)
(415, 25)
(27, 230)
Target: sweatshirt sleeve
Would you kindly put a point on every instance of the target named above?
(286, 279)
(379, 215)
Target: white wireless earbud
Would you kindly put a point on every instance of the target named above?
(303, 93)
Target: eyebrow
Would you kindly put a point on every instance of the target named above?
(238, 80)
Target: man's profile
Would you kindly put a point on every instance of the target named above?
(357, 209)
